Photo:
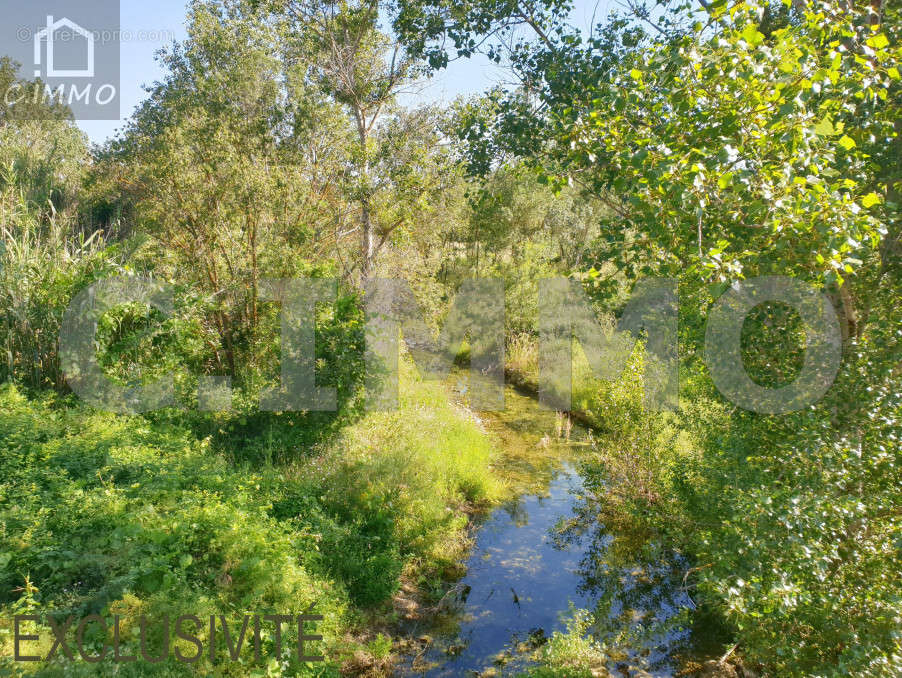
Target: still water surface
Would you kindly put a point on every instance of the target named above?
(542, 556)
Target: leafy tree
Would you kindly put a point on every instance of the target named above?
(727, 141)
(26, 99)
(340, 48)
(212, 180)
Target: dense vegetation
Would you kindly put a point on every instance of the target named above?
(710, 144)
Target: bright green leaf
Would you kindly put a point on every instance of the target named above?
(847, 142)
(752, 36)
(870, 200)
(824, 128)
(878, 41)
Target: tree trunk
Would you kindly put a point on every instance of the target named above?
(367, 243)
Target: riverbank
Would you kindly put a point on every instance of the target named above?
(139, 517)
(549, 590)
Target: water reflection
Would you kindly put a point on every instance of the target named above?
(540, 557)
(641, 603)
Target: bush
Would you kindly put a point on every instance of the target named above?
(111, 515)
(573, 653)
(137, 515)
(801, 530)
(45, 258)
(791, 521)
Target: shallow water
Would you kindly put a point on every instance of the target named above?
(541, 556)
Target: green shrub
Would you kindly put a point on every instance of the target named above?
(137, 515)
(572, 653)
(45, 256)
(113, 515)
(791, 521)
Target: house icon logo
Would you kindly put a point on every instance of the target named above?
(70, 55)
(48, 36)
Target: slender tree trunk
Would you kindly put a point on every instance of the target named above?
(367, 242)
(849, 314)
(255, 271)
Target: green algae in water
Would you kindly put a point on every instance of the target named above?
(542, 556)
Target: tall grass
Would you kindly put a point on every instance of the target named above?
(522, 358)
(41, 266)
(406, 479)
(44, 256)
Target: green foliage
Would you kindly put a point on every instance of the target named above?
(718, 153)
(19, 102)
(733, 141)
(791, 519)
(131, 516)
(573, 653)
(45, 257)
(798, 523)
(517, 230)
(116, 515)
(397, 474)
(709, 143)
(210, 182)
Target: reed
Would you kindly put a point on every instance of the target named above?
(44, 258)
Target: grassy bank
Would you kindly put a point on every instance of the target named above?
(117, 515)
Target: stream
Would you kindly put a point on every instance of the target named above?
(539, 558)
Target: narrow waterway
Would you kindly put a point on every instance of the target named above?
(543, 556)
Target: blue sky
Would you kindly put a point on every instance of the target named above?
(161, 21)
